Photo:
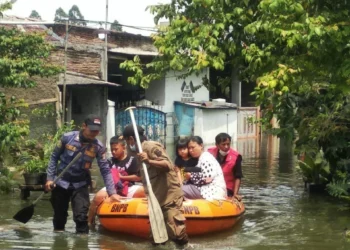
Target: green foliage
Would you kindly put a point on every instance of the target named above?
(116, 26)
(6, 181)
(48, 110)
(200, 34)
(34, 156)
(339, 189)
(315, 168)
(297, 52)
(23, 56)
(35, 14)
(12, 129)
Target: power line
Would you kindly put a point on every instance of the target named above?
(117, 24)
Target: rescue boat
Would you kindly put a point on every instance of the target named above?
(130, 216)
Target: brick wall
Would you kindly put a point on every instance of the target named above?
(89, 36)
(83, 62)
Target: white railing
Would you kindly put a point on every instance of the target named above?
(246, 126)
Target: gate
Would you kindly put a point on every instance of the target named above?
(153, 121)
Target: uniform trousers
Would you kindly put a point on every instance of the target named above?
(80, 202)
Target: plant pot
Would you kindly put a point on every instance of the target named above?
(315, 188)
(34, 178)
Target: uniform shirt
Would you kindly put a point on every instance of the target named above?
(78, 174)
(164, 181)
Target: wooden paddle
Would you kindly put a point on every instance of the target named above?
(26, 213)
(156, 218)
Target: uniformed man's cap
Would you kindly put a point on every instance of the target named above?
(93, 122)
(129, 131)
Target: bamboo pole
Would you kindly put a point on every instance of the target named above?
(65, 75)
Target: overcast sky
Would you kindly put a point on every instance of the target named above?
(127, 12)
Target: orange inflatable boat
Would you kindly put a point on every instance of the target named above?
(130, 216)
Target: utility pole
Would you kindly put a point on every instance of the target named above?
(106, 106)
(65, 75)
(106, 45)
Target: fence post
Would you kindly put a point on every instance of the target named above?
(110, 125)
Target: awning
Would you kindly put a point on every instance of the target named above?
(77, 79)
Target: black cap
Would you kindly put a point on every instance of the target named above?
(129, 131)
(93, 122)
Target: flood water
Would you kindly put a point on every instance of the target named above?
(280, 214)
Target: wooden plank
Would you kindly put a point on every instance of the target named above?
(43, 101)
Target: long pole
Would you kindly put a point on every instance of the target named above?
(65, 76)
(105, 92)
(106, 48)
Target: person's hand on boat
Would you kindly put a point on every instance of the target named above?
(143, 157)
(49, 185)
(114, 198)
(237, 197)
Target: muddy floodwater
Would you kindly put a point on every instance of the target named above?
(280, 214)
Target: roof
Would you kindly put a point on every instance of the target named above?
(208, 105)
(118, 41)
(77, 79)
(134, 51)
(37, 26)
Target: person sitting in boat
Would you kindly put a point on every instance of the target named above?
(124, 171)
(163, 180)
(183, 161)
(210, 184)
(231, 164)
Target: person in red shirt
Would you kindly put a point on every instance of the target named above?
(231, 164)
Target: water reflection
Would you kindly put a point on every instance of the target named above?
(279, 215)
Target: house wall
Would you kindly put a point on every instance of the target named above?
(40, 97)
(87, 101)
(210, 122)
(84, 62)
(156, 92)
(205, 122)
(168, 90)
(173, 90)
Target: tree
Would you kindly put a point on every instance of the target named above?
(116, 26)
(74, 14)
(23, 55)
(297, 51)
(60, 14)
(200, 34)
(35, 14)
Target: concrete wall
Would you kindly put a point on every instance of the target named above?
(156, 92)
(173, 90)
(85, 101)
(210, 122)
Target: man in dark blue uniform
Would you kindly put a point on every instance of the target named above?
(73, 186)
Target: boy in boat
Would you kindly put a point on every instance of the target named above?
(164, 181)
(124, 169)
(231, 164)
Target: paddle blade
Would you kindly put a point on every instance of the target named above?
(25, 214)
(156, 219)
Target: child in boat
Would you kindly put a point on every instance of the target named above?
(188, 173)
(124, 171)
(183, 161)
